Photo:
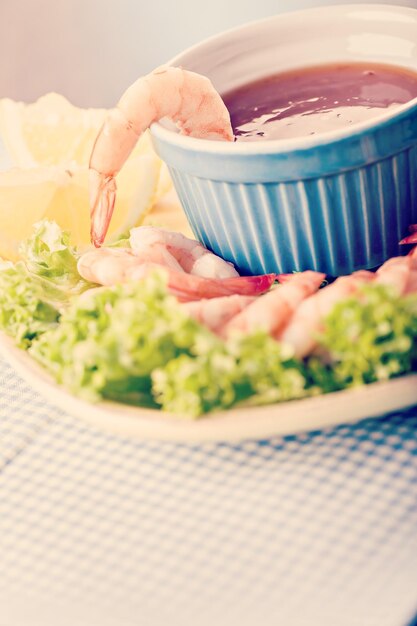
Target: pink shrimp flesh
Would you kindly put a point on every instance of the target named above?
(361, 276)
(107, 266)
(409, 240)
(216, 312)
(395, 272)
(190, 255)
(412, 283)
(412, 280)
(110, 266)
(306, 321)
(283, 278)
(274, 309)
(185, 97)
(189, 287)
(412, 238)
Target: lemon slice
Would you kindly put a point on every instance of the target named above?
(29, 195)
(25, 197)
(51, 141)
(137, 189)
(52, 131)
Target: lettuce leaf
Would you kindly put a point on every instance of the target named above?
(134, 343)
(25, 310)
(111, 339)
(368, 338)
(252, 369)
(49, 254)
(34, 291)
(365, 339)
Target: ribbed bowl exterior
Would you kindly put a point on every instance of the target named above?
(336, 224)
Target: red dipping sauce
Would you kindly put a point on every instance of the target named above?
(318, 99)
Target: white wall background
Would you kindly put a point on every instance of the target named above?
(91, 50)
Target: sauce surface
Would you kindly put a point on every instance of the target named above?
(317, 99)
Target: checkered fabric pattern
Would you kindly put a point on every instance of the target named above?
(95, 530)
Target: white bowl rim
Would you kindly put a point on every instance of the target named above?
(280, 146)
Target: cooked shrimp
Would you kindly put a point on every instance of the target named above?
(361, 276)
(110, 266)
(412, 283)
(395, 272)
(216, 312)
(186, 98)
(107, 266)
(412, 280)
(306, 322)
(189, 254)
(189, 287)
(274, 309)
(412, 238)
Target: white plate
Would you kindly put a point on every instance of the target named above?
(233, 425)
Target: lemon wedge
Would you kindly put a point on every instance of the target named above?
(50, 142)
(49, 192)
(52, 131)
(25, 197)
(137, 190)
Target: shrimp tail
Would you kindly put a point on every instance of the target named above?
(115, 141)
(412, 238)
(198, 287)
(189, 287)
(409, 240)
(102, 200)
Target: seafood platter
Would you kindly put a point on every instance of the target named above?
(244, 261)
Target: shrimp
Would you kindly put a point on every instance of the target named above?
(216, 312)
(185, 97)
(400, 273)
(190, 255)
(189, 287)
(274, 309)
(306, 322)
(412, 280)
(395, 272)
(107, 266)
(412, 238)
(412, 283)
(110, 266)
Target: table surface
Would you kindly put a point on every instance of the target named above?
(319, 528)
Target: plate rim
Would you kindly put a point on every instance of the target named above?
(280, 419)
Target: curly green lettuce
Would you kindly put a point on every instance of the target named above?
(252, 369)
(369, 337)
(110, 340)
(49, 254)
(26, 309)
(34, 291)
(365, 339)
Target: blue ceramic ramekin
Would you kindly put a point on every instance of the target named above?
(334, 202)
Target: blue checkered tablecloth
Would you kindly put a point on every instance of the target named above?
(316, 529)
